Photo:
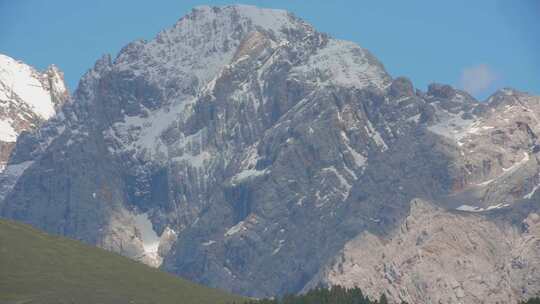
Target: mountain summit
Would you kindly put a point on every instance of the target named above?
(243, 149)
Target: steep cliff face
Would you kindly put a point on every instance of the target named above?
(439, 256)
(243, 149)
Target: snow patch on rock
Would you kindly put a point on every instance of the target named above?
(7, 133)
(235, 229)
(469, 208)
(149, 237)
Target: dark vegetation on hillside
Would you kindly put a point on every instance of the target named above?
(334, 295)
(338, 295)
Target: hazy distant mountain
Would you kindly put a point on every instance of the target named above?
(245, 150)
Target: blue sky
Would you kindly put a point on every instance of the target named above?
(479, 45)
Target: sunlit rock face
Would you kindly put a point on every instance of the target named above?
(245, 150)
(441, 256)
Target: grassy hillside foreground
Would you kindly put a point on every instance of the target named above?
(36, 267)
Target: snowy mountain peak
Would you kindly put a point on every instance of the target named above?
(192, 52)
(186, 57)
(25, 83)
(27, 99)
(268, 19)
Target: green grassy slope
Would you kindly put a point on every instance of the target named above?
(39, 268)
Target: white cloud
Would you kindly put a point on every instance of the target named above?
(477, 79)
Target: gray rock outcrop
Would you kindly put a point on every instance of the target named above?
(440, 256)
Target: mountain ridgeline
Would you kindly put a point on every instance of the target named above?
(245, 150)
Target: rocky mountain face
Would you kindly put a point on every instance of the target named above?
(245, 150)
(27, 99)
(440, 256)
